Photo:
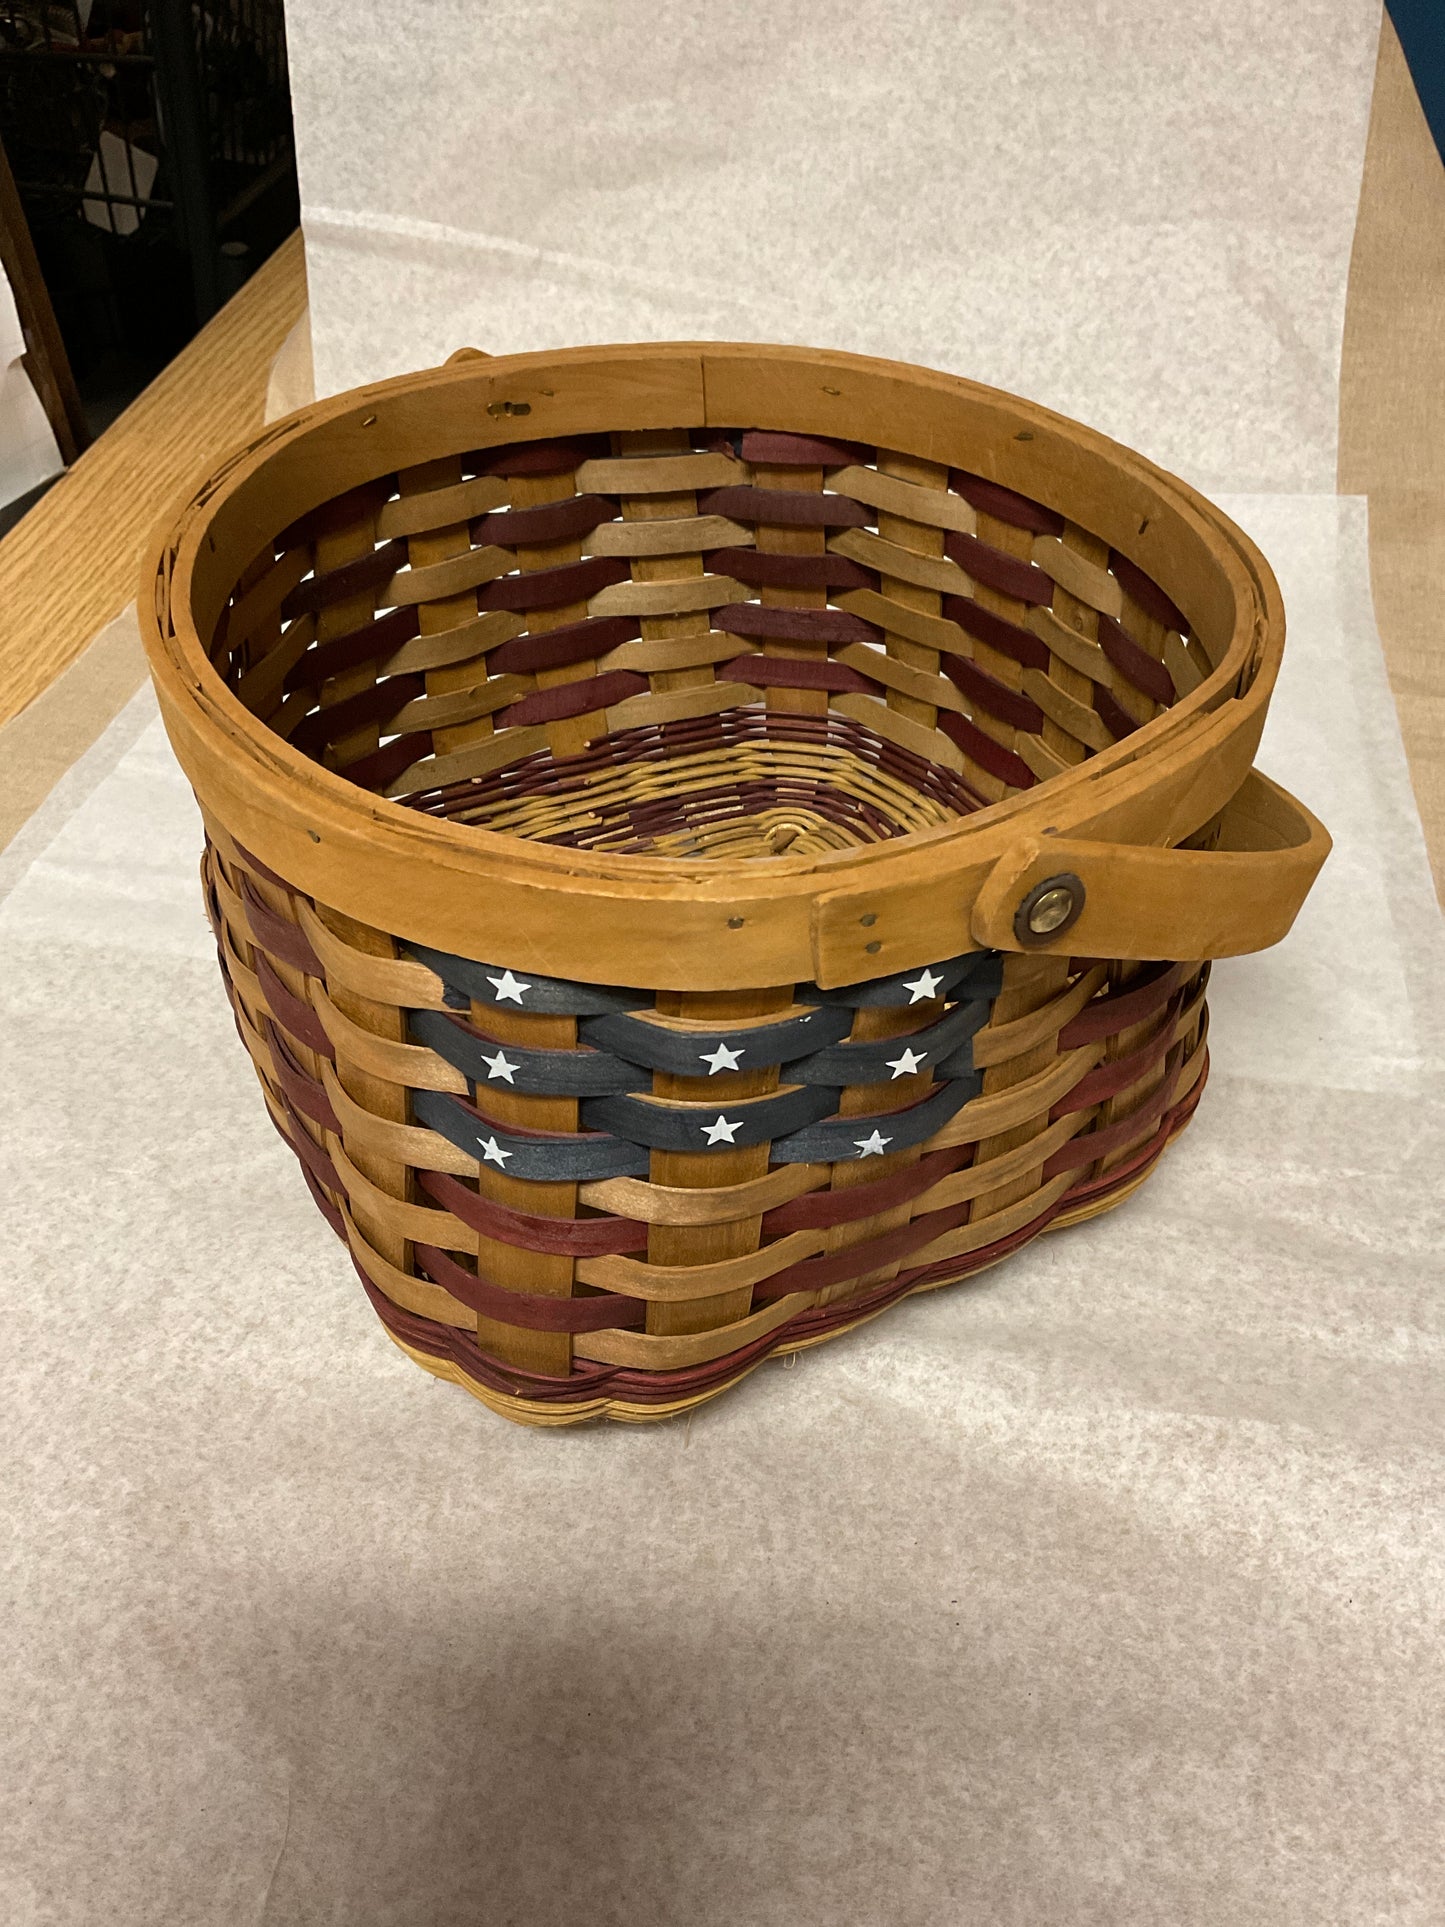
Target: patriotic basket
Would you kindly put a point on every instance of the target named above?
(705, 841)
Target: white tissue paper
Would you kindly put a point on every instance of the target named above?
(28, 451)
(1139, 216)
(1103, 1590)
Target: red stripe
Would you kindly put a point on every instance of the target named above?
(988, 754)
(819, 1210)
(295, 1017)
(793, 625)
(800, 451)
(573, 699)
(275, 934)
(352, 578)
(303, 1091)
(572, 516)
(996, 569)
(760, 570)
(311, 1155)
(1007, 637)
(539, 458)
(588, 1381)
(256, 866)
(576, 1237)
(996, 697)
(815, 1274)
(1107, 1016)
(784, 508)
(381, 637)
(559, 648)
(324, 1205)
(1146, 592)
(553, 588)
(1108, 1079)
(1004, 504)
(787, 672)
(1112, 713)
(1095, 1144)
(1146, 672)
(384, 765)
(338, 513)
(532, 1311)
(376, 704)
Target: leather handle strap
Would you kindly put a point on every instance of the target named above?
(1123, 900)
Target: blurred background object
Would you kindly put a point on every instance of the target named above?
(151, 147)
(1420, 25)
(42, 423)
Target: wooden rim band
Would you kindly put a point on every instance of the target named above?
(1166, 717)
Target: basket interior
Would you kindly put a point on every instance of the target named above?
(742, 644)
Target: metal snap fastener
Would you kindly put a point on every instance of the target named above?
(1049, 909)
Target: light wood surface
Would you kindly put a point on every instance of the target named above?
(70, 566)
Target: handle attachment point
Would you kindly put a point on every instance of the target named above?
(1148, 902)
(1049, 909)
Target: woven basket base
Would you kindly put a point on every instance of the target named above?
(525, 1411)
(738, 784)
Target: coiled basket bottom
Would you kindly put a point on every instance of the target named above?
(692, 834)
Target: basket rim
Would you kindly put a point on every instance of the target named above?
(653, 920)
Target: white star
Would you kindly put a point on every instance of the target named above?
(924, 986)
(907, 1064)
(722, 1131)
(872, 1147)
(500, 1066)
(509, 986)
(492, 1153)
(722, 1059)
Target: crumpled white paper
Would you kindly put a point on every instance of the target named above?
(1139, 216)
(1106, 1589)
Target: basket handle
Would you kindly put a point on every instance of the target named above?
(1065, 896)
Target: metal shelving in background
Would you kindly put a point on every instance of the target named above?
(151, 145)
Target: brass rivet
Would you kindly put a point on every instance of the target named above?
(873, 948)
(1049, 909)
(868, 921)
(735, 923)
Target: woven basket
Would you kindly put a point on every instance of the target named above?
(706, 841)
